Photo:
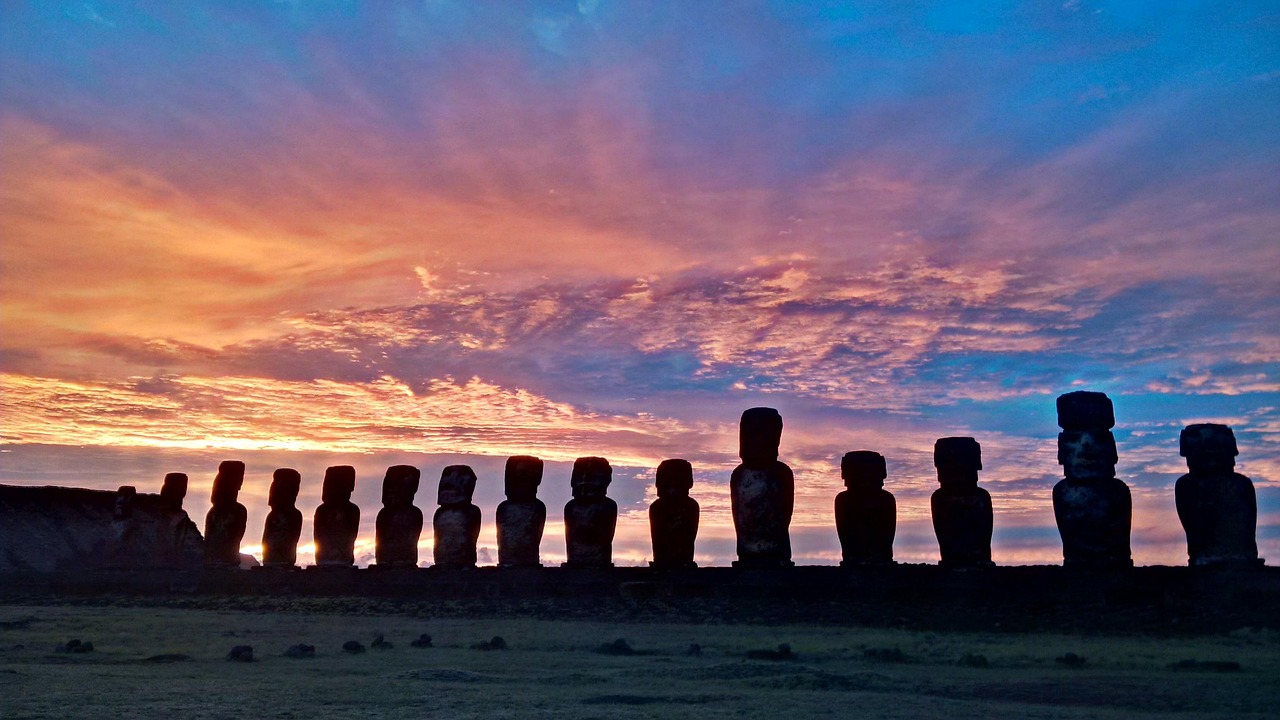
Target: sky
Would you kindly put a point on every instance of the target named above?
(310, 233)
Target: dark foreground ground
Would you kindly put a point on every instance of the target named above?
(155, 661)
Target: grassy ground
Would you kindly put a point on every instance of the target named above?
(552, 669)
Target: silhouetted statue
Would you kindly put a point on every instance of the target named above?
(762, 492)
(1094, 510)
(1218, 506)
(399, 523)
(123, 548)
(224, 525)
(522, 516)
(337, 520)
(457, 522)
(673, 517)
(866, 514)
(284, 523)
(590, 517)
(178, 540)
(962, 514)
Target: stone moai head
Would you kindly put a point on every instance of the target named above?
(591, 477)
(522, 478)
(675, 478)
(339, 483)
(125, 496)
(759, 435)
(1086, 447)
(174, 490)
(227, 483)
(285, 483)
(958, 460)
(1208, 447)
(399, 485)
(457, 483)
(863, 469)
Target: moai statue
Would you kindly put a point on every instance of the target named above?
(1218, 506)
(962, 514)
(522, 516)
(399, 523)
(1093, 509)
(122, 548)
(673, 517)
(284, 523)
(762, 493)
(590, 517)
(457, 522)
(337, 520)
(178, 541)
(225, 523)
(866, 513)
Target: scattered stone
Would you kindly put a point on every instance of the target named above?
(762, 493)
(301, 651)
(168, 658)
(241, 653)
(423, 641)
(973, 660)
(1206, 665)
(75, 646)
(380, 643)
(782, 653)
(694, 650)
(522, 517)
(617, 647)
(1070, 660)
(353, 647)
(495, 643)
(885, 655)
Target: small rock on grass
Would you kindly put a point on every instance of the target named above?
(380, 643)
(75, 646)
(423, 641)
(355, 647)
(241, 653)
(617, 647)
(495, 643)
(1071, 660)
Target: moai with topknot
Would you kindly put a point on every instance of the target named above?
(1218, 506)
(591, 517)
(399, 523)
(762, 493)
(456, 524)
(283, 527)
(178, 540)
(522, 517)
(866, 513)
(337, 520)
(1094, 509)
(224, 525)
(962, 512)
(673, 517)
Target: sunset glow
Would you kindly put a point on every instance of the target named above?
(302, 234)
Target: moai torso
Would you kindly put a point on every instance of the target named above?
(522, 517)
(337, 520)
(962, 512)
(399, 523)
(1093, 509)
(178, 540)
(283, 527)
(456, 524)
(224, 525)
(762, 493)
(123, 549)
(673, 516)
(1218, 506)
(591, 517)
(866, 513)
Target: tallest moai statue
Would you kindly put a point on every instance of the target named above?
(1093, 509)
(762, 492)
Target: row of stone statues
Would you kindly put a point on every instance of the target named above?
(1092, 507)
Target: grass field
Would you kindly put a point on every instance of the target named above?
(553, 669)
